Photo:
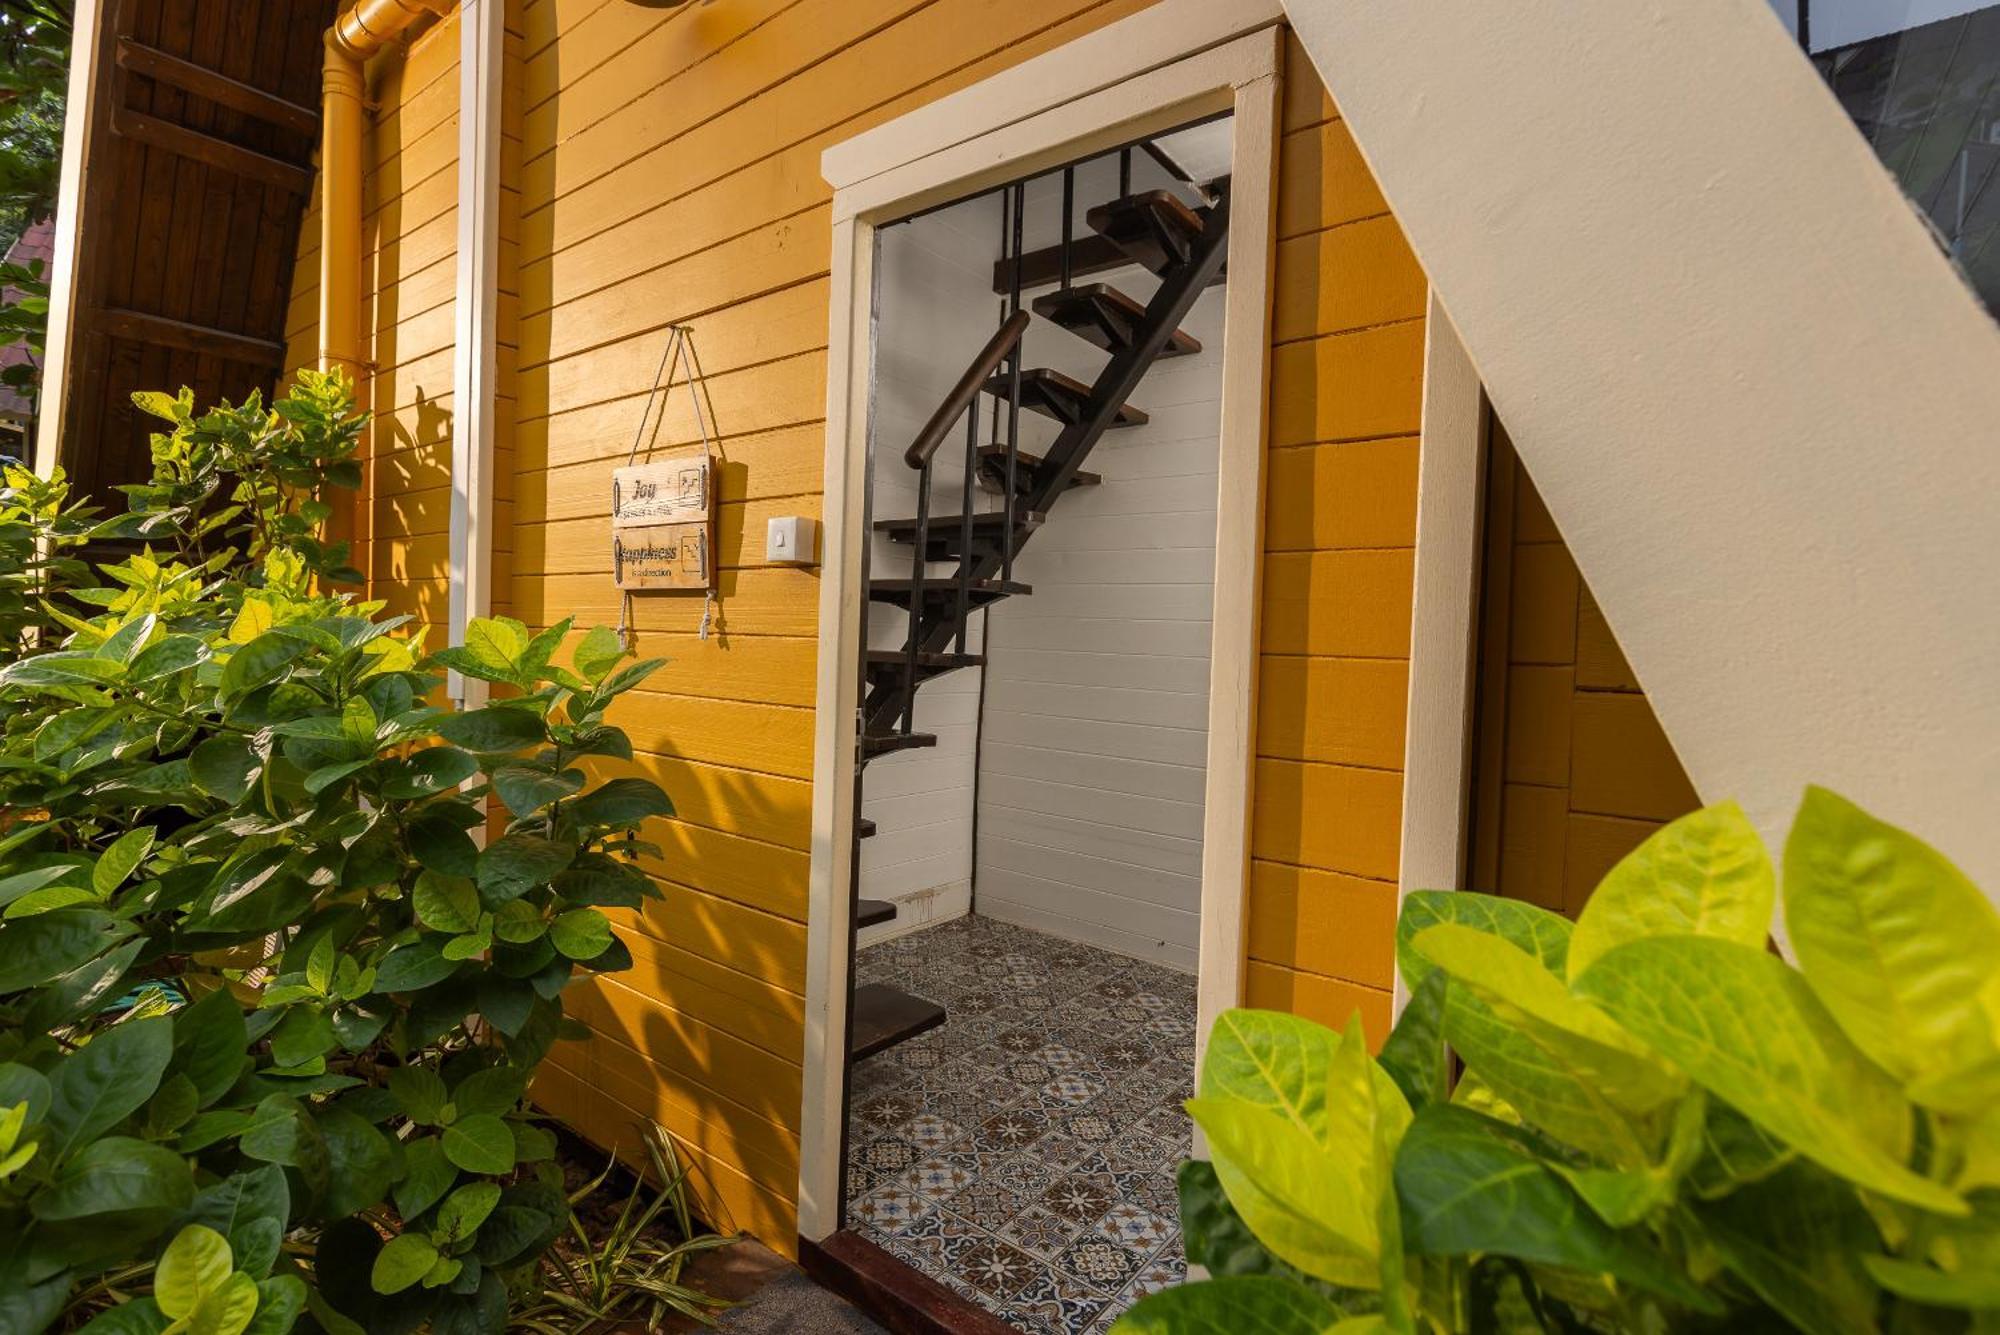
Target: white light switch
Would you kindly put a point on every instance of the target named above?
(791, 540)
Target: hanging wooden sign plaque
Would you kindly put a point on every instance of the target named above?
(663, 521)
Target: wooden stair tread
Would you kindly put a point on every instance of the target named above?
(887, 743)
(944, 661)
(1063, 398)
(982, 591)
(1154, 227)
(905, 530)
(1105, 317)
(873, 912)
(884, 1016)
(993, 470)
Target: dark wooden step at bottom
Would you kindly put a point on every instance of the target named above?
(945, 539)
(885, 1016)
(864, 828)
(873, 912)
(1153, 227)
(1055, 395)
(981, 592)
(993, 471)
(1101, 315)
(883, 743)
(903, 1299)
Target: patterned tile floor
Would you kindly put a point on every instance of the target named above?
(1024, 1152)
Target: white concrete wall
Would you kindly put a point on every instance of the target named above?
(1755, 396)
(1093, 759)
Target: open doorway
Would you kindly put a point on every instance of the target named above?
(1043, 491)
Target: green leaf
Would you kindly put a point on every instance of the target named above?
(1894, 939)
(361, 1163)
(581, 934)
(1751, 1032)
(121, 859)
(301, 1036)
(1798, 1240)
(1290, 1111)
(433, 770)
(403, 1260)
(281, 1131)
(140, 1316)
(496, 642)
(597, 653)
(480, 1144)
(622, 802)
(510, 867)
(169, 657)
(194, 1265)
(441, 846)
(464, 1211)
(1215, 1236)
(48, 945)
(518, 922)
(21, 884)
(116, 1175)
(225, 768)
(527, 790)
(427, 1175)
(1414, 1055)
(419, 1092)
(1468, 1187)
(260, 662)
(446, 903)
(414, 967)
(252, 1209)
(105, 1081)
(494, 730)
(1534, 999)
(1233, 1306)
(280, 1300)
(1542, 934)
(1705, 874)
(209, 1041)
(497, 1089)
(1933, 1287)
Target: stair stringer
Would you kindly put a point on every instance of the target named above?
(1761, 406)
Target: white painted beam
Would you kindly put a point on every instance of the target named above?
(1760, 404)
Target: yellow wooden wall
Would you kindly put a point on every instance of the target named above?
(1340, 531)
(668, 170)
(1572, 770)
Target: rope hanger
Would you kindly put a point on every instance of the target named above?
(679, 352)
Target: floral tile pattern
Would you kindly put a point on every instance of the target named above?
(1023, 1154)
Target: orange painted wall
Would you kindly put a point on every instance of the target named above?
(1572, 770)
(668, 170)
(1340, 528)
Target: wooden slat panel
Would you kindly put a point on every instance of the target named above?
(217, 87)
(207, 149)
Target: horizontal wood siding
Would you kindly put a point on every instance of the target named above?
(1340, 528)
(1572, 768)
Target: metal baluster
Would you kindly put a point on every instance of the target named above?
(1124, 173)
(1013, 395)
(965, 524)
(1069, 207)
(917, 570)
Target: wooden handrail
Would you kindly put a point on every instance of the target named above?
(966, 390)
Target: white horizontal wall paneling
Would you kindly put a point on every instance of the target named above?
(1092, 763)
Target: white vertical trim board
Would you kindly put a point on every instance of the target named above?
(482, 35)
(88, 35)
(1443, 619)
(1058, 106)
(1751, 390)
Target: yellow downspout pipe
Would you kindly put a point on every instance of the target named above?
(364, 29)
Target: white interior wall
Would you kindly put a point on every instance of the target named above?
(1095, 724)
(935, 309)
(1090, 770)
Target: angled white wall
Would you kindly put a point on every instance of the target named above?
(1761, 406)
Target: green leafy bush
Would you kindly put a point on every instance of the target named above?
(268, 1005)
(1659, 1124)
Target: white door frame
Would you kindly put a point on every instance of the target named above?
(1175, 62)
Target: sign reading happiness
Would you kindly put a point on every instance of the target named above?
(663, 521)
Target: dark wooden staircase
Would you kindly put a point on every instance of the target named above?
(1185, 246)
